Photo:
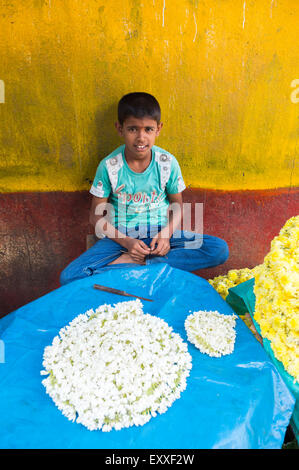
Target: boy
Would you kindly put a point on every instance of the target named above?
(133, 191)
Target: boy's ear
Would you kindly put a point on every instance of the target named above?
(159, 128)
(119, 128)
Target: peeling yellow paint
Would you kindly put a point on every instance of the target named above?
(222, 71)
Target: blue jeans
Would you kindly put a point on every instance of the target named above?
(188, 251)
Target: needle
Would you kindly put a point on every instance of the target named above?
(119, 292)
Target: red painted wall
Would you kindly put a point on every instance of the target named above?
(41, 233)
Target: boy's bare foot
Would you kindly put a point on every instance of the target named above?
(124, 258)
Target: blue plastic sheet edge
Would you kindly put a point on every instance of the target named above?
(237, 401)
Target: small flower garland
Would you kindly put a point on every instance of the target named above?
(277, 297)
(211, 332)
(115, 367)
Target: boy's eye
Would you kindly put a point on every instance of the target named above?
(135, 129)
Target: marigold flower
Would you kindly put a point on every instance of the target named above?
(277, 294)
(276, 290)
(233, 277)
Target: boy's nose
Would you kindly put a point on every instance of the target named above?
(141, 133)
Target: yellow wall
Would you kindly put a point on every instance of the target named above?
(221, 69)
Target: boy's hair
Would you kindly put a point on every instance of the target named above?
(138, 105)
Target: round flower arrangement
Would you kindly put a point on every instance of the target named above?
(277, 297)
(213, 333)
(115, 367)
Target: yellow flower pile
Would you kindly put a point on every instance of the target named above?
(277, 297)
(233, 277)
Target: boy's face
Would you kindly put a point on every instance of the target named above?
(139, 136)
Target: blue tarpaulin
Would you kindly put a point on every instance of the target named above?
(238, 401)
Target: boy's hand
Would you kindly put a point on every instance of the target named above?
(137, 249)
(160, 245)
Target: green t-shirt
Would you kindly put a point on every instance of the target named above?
(138, 198)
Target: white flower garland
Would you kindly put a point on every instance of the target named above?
(211, 332)
(115, 367)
